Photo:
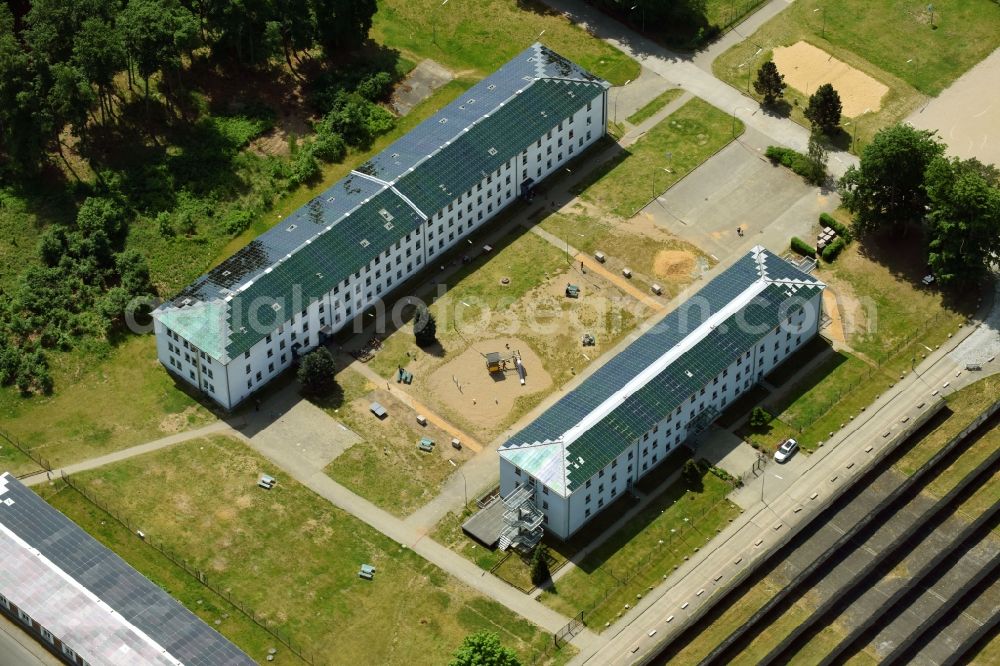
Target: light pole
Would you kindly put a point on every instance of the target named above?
(465, 482)
(617, 95)
(823, 33)
(434, 33)
(854, 139)
(750, 66)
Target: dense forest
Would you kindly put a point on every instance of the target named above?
(133, 117)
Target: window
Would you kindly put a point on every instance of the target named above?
(588, 482)
(600, 502)
(249, 383)
(631, 454)
(545, 506)
(258, 376)
(517, 471)
(270, 367)
(600, 474)
(4, 602)
(587, 499)
(586, 514)
(270, 353)
(25, 618)
(545, 490)
(69, 652)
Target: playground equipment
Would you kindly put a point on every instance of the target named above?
(404, 377)
(498, 364)
(588, 340)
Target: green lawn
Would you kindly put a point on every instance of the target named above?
(690, 135)
(626, 246)
(655, 105)
(963, 407)
(294, 558)
(205, 603)
(890, 40)
(895, 321)
(107, 398)
(644, 549)
(386, 467)
(484, 35)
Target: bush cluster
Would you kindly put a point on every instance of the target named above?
(794, 160)
(831, 251)
(829, 222)
(802, 247)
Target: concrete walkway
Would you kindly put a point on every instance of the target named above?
(218, 427)
(452, 563)
(739, 33)
(680, 70)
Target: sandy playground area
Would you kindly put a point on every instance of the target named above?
(806, 67)
(464, 385)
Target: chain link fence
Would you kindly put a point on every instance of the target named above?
(34, 457)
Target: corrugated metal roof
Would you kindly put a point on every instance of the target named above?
(104, 609)
(419, 168)
(550, 450)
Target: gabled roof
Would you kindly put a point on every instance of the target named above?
(90, 598)
(342, 230)
(590, 426)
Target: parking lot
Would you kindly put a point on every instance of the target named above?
(739, 187)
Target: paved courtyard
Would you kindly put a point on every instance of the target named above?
(739, 187)
(967, 113)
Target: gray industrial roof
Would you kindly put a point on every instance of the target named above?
(590, 426)
(89, 597)
(413, 178)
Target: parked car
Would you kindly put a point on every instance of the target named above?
(786, 450)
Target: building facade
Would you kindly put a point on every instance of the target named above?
(672, 382)
(84, 603)
(248, 319)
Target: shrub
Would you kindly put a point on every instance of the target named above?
(375, 87)
(539, 566)
(760, 417)
(305, 168)
(424, 327)
(237, 221)
(316, 373)
(831, 251)
(802, 247)
(329, 147)
(794, 160)
(830, 223)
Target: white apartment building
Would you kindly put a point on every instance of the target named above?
(246, 320)
(672, 382)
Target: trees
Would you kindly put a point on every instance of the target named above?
(316, 373)
(964, 222)
(816, 159)
(770, 83)
(824, 109)
(424, 327)
(484, 648)
(888, 187)
(539, 565)
(760, 417)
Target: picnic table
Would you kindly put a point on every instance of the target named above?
(426, 445)
(367, 572)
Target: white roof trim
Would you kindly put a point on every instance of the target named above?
(661, 364)
(58, 625)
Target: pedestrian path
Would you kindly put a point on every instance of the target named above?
(218, 427)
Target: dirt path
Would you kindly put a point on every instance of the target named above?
(836, 328)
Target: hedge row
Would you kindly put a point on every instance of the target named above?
(802, 247)
(831, 251)
(827, 221)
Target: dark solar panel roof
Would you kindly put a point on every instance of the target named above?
(706, 359)
(439, 159)
(493, 141)
(110, 578)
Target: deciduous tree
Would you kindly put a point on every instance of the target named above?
(484, 648)
(964, 222)
(888, 186)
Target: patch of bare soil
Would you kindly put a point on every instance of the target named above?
(807, 67)
(174, 423)
(674, 264)
(464, 384)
